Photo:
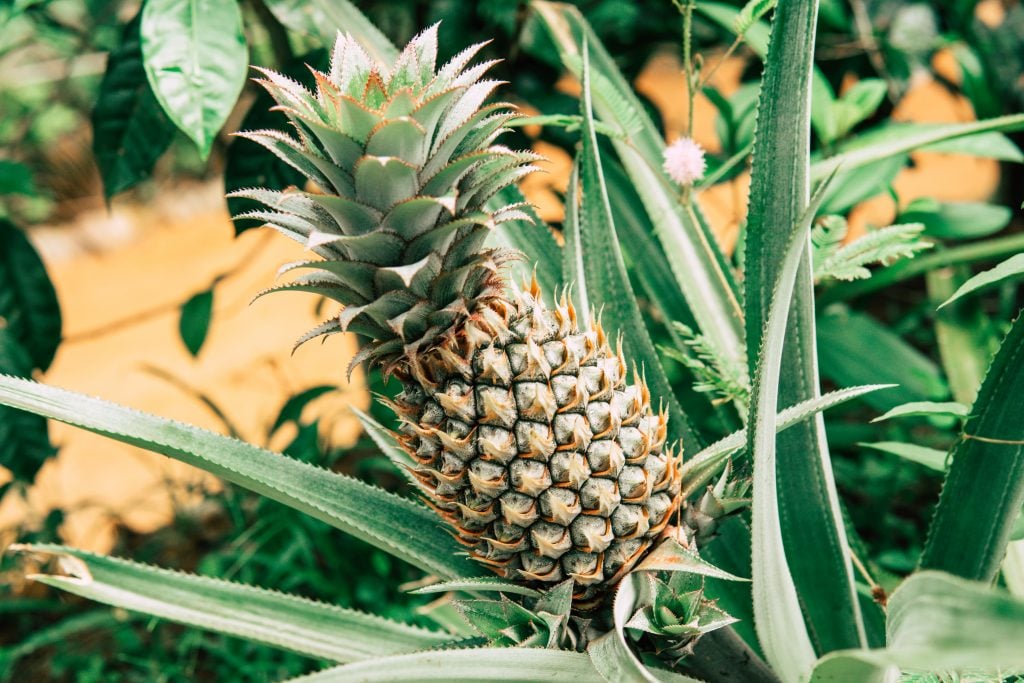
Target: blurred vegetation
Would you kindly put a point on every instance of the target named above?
(80, 125)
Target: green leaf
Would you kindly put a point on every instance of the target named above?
(917, 408)
(194, 321)
(604, 275)
(751, 14)
(984, 489)
(277, 619)
(196, 61)
(957, 220)
(704, 466)
(777, 608)
(702, 272)
(932, 458)
(535, 241)
(401, 527)
(670, 556)
(610, 654)
(938, 622)
(473, 665)
(491, 583)
(130, 129)
(883, 245)
(16, 178)
(24, 440)
(900, 140)
(29, 310)
(1011, 269)
(985, 250)
(846, 338)
(322, 19)
(798, 505)
(292, 409)
(857, 104)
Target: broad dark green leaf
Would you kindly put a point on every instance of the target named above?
(292, 409)
(606, 280)
(24, 441)
(196, 59)
(984, 489)
(29, 310)
(16, 178)
(808, 511)
(280, 620)
(407, 530)
(130, 129)
(956, 220)
(194, 321)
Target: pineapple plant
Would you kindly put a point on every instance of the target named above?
(529, 437)
(533, 438)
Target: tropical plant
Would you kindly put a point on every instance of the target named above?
(615, 557)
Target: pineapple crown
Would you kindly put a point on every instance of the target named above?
(402, 170)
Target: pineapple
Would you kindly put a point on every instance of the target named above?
(531, 443)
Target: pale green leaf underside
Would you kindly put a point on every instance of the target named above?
(932, 458)
(276, 619)
(923, 408)
(477, 665)
(401, 527)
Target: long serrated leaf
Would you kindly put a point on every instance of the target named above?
(486, 584)
(1010, 269)
(701, 270)
(939, 622)
(401, 527)
(387, 443)
(604, 272)
(130, 129)
(708, 463)
(277, 619)
(476, 665)
(984, 489)
(777, 608)
(610, 653)
(196, 60)
(807, 502)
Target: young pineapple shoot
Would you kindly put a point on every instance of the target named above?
(531, 442)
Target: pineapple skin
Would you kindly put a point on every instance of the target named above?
(532, 445)
(530, 442)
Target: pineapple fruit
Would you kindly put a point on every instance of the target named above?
(531, 442)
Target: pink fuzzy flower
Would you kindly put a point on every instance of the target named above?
(684, 161)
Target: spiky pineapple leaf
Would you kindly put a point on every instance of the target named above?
(605, 277)
(701, 271)
(196, 60)
(400, 527)
(938, 622)
(130, 129)
(778, 617)
(610, 653)
(471, 665)
(1011, 269)
(277, 619)
(811, 578)
(702, 467)
(485, 584)
(984, 488)
(670, 556)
